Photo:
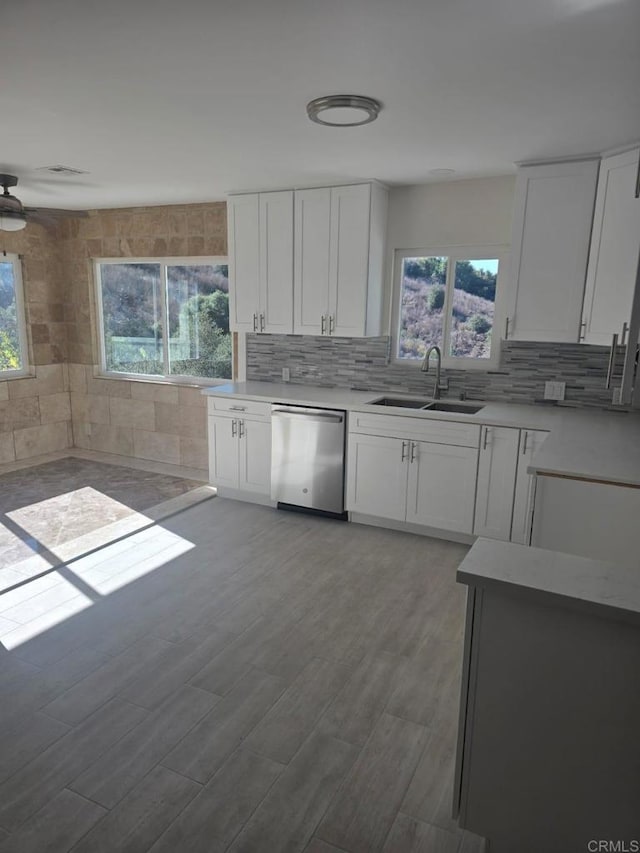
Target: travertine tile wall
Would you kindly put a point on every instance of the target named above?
(147, 420)
(364, 363)
(35, 412)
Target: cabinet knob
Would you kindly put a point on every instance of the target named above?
(255, 322)
(405, 448)
(323, 324)
(332, 324)
(234, 428)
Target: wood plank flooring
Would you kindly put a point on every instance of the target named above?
(235, 679)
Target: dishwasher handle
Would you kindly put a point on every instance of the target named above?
(318, 417)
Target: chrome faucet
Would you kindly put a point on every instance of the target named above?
(438, 386)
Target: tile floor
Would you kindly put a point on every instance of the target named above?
(235, 678)
(43, 507)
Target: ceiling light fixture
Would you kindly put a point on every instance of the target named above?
(343, 110)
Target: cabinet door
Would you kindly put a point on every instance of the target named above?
(377, 476)
(349, 260)
(496, 482)
(244, 262)
(223, 451)
(276, 262)
(442, 486)
(530, 442)
(613, 260)
(254, 445)
(311, 260)
(551, 232)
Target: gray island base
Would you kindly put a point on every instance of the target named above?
(549, 739)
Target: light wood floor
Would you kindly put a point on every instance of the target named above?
(235, 678)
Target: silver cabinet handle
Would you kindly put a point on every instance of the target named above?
(332, 324)
(323, 323)
(234, 428)
(524, 443)
(612, 361)
(637, 193)
(583, 330)
(255, 322)
(625, 329)
(506, 329)
(262, 322)
(237, 408)
(241, 429)
(414, 444)
(405, 448)
(486, 436)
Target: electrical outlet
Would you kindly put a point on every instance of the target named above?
(554, 390)
(286, 374)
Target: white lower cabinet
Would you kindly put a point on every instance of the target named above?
(240, 453)
(504, 492)
(420, 482)
(442, 486)
(377, 476)
(523, 502)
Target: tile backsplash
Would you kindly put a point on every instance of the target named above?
(364, 363)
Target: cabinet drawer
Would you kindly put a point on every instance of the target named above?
(419, 429)
(237, 406)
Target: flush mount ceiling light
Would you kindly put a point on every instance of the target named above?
(343, 110)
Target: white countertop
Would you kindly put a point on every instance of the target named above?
(583, 443)
(490, 563)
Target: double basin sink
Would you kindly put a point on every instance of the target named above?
(425, 405)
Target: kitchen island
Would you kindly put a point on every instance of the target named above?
(548, 747)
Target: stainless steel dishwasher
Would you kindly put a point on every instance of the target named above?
(307, 459)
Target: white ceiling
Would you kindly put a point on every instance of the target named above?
(167, 101)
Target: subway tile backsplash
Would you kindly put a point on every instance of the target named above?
(364, 363)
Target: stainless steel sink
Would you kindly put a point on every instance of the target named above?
(446, 406)
(400, 403)
(436, 406)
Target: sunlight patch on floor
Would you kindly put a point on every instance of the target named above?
(30, 607)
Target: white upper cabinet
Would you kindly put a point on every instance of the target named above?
(311, 260)
(553, 211)
(276, 262)
(243, 228)
(339, 260)
(260, 229)
(613, 260)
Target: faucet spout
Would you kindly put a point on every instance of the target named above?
(438, 385)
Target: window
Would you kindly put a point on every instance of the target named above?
(13, 337)
(448, 298)
(165, 317)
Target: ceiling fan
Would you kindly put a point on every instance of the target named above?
(14, 216)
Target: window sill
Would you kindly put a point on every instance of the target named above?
(179, 381)
(8, 375)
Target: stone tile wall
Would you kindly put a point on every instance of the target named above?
(35, 412)
(143, 232)
(364, 363)
(146, 420)
(141, 419)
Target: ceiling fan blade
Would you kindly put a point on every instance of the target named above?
(53, 212)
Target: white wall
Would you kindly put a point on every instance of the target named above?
(474, 212)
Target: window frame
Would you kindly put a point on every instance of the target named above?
(163, 262)
(23, 341)
(453, 253)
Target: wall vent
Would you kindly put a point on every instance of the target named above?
(62, 170)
